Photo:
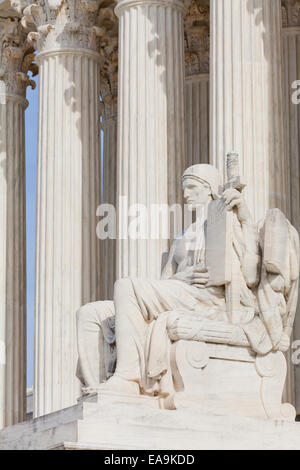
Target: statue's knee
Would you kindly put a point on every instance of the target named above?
(122, 286)
(84, 313)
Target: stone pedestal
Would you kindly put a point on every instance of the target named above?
(68, 190)
(14, 63)
(232, 380)
(151, 126)
(246, 98)
(117, 422)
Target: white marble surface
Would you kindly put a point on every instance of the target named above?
(68, 189)
(245, 83)
(15, 60)
(222, 313)
(115, 424)
(197, 118)
(197, 50)
(109, 125)
(261, 146)
(291, 72)
(151, 150)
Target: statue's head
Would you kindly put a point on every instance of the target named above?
(200, 184)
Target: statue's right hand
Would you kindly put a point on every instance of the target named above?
(200, 276)
(185, 276)
(193, 275)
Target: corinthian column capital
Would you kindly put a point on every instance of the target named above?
(64, 24)
(16, 57)
(196, 36)
(291, 13)
(109, 64)
(19, 5)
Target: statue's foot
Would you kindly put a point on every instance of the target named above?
(119, 385)
(88, 390)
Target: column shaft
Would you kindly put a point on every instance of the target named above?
(151, 123)
(12, 260)
(109, 113)
(196, 34)
(108, 251)
(247, 97)
(68, 193)
(291, 70)
(67, 39)
(197, 119)
(15, 61)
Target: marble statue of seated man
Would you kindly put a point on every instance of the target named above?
(124, 344)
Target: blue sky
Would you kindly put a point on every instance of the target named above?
(31, 121)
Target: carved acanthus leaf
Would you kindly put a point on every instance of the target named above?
(16, 57)
(290, 13)
(197, 38)
(109, 62)
(64, 23)
(19, 5)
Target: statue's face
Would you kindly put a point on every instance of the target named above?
(196, 193)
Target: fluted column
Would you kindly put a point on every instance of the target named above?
(108, 248)
(109, 105)
(151, 123)
(68, 190)
(14, 63)
(291, 73)
(197, 119)
(247, 97)
(197, 83)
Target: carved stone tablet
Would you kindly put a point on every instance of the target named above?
(219, 243)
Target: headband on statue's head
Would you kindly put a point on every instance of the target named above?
(204, 173)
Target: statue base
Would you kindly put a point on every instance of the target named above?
(105, 421)
(229, 380)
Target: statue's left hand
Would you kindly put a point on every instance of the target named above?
(235, 199)
(284, 343)
(181, 328)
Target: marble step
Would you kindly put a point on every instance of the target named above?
(119, 424)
